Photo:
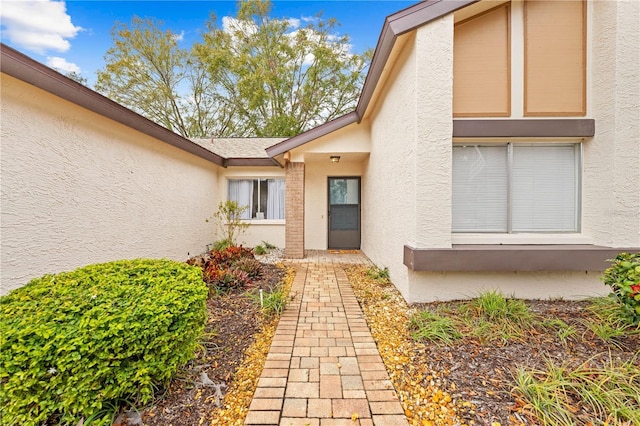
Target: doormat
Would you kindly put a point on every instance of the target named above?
(344, 251)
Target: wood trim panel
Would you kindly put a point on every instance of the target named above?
(525, 128)
(482, 64)
(509, 258)
(546, 84)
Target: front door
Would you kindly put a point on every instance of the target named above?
(344, 213)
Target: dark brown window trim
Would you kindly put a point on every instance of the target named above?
(524, 128)
(509, 258)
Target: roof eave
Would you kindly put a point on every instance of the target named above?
(394, 26)
(24, 68)
(236, 162)
(315, 133)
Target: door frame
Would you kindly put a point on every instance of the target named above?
(359, 179)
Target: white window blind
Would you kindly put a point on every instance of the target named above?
(480, 189)
(544, 189)
(515, 188)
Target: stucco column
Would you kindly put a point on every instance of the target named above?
(433, 152)
(294, 206)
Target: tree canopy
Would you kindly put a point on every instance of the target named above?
(253, 75)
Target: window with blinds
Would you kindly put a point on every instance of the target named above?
(516, 188)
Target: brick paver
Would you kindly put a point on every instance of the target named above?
(323, 367)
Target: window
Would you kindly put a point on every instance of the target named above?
(516, 188)
(265, 197)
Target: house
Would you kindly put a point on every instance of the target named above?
(496, 144)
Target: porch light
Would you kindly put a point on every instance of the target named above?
(335, 158)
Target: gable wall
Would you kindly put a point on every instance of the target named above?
(78, 188)
(388, 185)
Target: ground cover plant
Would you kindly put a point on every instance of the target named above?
(495, 360)
(74, 345)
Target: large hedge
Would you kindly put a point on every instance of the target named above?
(74, 342)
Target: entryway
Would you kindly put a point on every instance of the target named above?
(344, 212)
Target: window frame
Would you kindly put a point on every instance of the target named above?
(578, 170)
(259, 179)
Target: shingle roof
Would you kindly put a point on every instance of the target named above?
(238, 147)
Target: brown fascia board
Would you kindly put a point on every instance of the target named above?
(23, 68)
(394, 25)
(231, 162)
(510, 258)
(580, 127)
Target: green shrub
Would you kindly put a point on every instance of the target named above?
(429, 326)
(623, 276)
(259, 250)
(221, 245)
(379, 274)
(251, 266)
(72, 343)
(225, 279)
(268, 245)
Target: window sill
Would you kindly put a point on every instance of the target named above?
(252, 222)
(511, 257)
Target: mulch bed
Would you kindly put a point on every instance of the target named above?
(471, 382)
(483, 373)
(233, 321)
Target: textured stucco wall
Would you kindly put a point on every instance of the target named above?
(433, 286)
(611, 179)
(434, 94)
(78, 188)
(271, 231)
(316, 207)
(352, 144)
(611, 171)
(389, 199)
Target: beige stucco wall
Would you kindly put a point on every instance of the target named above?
(352, 144)
(407, 184)
(611, 180)
(78, 188)
(389, 198)
(271, 231)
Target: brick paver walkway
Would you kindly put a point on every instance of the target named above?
(323, 368)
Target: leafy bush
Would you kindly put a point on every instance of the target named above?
(72, 343)
(229, 222)
(429, 326)
(227, 257)
(379, 274)
(259, 249)
(623, 276)
(272, 302)
(225, 279)
(251, 266)
(268, 245)
(221, 245)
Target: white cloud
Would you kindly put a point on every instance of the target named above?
(62, 65)
(293, 22)
(179, 37)
(38, 25)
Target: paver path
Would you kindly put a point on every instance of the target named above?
(323, 368)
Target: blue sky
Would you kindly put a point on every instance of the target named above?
(74, 35)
